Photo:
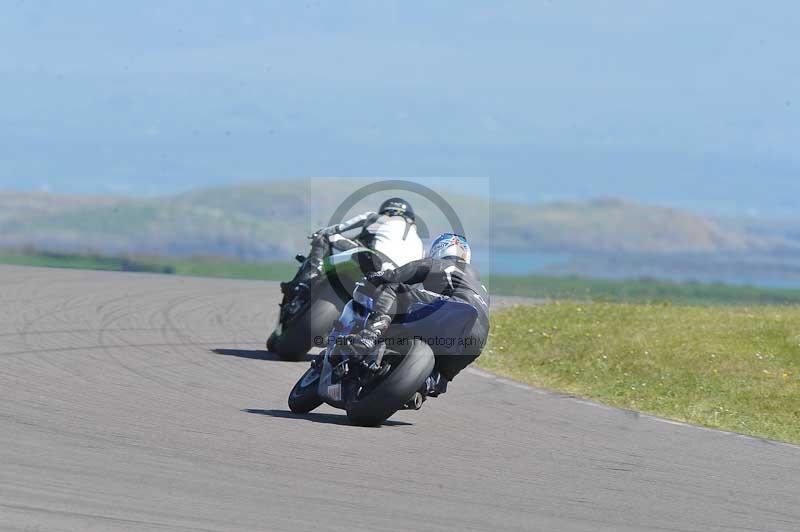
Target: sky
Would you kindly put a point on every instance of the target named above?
(691, 104)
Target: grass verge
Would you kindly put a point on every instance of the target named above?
(197, 266)
(641, 290)
(734, 368)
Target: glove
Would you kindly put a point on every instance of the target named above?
(325, 231)
(375, 277)
(364, 341)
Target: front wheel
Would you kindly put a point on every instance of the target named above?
(272, 346)
(304, 397)
(392, 393)
(298, 336)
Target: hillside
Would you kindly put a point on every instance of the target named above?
(270, 221)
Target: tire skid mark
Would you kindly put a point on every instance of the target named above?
(60, 311)
(179, 390)
(105, 518)
(211, 364)
(41, 332)
(28, 330)
(39, 351)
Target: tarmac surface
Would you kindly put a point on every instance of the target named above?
(147, 402)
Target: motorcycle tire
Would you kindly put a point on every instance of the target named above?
(392, 393)
(304, 396)
(301, 334)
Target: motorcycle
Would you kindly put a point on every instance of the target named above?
(302, 319)
(372, 387)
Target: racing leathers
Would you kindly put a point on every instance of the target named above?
(428, 281)
(395, 237)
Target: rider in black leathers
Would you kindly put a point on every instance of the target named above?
(445, 273)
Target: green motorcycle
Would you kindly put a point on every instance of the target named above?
(306, 319)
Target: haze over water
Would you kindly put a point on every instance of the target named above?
(686, 104)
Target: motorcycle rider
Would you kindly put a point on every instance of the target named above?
(445, 274)
(391, 231)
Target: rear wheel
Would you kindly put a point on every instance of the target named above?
(393, 392)
(297, 337)
(304, 397)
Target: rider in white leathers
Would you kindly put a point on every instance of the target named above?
(391, 231)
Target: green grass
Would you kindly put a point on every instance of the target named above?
(200, 266)
(640, 291)
(212, 267)
(734, 367)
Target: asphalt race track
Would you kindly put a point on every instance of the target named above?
(146, 402)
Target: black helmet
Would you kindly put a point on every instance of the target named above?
(397, 207)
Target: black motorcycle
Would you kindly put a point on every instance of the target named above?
(372, 387)
(304, 317)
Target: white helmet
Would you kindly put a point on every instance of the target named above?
(450, 245)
